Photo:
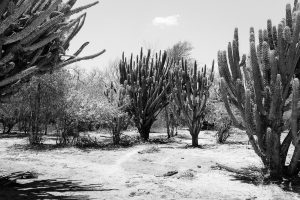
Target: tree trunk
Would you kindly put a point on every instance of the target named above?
(194, 131)
(144, 128)
(46, 129)
(4, 127)
(9, 129)
(116, 137)
(144, 133)
(195, 140)
(167, 122)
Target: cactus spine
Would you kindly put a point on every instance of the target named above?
(147, 83)
(34, 36)
(262, 98)
(190, 93)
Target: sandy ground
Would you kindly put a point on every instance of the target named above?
(125, 173)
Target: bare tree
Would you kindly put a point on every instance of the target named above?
(180, 50)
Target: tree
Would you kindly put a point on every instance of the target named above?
(41, 101)
(180, 50)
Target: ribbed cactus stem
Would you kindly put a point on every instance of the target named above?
(295, 111)
(289, 20)
(270, 34)
(258, 83)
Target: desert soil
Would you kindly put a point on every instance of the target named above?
(134, 173)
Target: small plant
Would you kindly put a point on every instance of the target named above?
(88, 142)
(223, 130)
(153, 149)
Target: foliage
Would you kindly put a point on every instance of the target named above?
(118, 119)
(180, 50)
(42, 100)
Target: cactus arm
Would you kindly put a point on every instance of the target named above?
(52, 22)
(13, 17)
(36, 56)
(42, 42)
(226, 103)
(258, 86)
(295, 111)
(7, 58)
(29, 29)
(3, 6)
(75, 31)
(68, 62)
(77, 10)
(80, 49)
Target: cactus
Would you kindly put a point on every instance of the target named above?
(34, 37)
(190, 93)
(147, 83)
(261, 94)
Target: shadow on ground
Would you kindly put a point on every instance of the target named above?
(13, 135)
(48, 189)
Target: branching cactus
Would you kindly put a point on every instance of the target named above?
(34, 36)
(190, 93)
(260, 88)
(147, 83)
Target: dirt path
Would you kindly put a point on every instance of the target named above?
(136, 176)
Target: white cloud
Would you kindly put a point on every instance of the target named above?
(166, 21)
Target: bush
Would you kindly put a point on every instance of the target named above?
(88, 142)
(223, 130)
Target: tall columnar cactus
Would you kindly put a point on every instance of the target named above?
(260, 88)
(34, 36)
(147, 83)
(190, 93)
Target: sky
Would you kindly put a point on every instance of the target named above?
(128, 25)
